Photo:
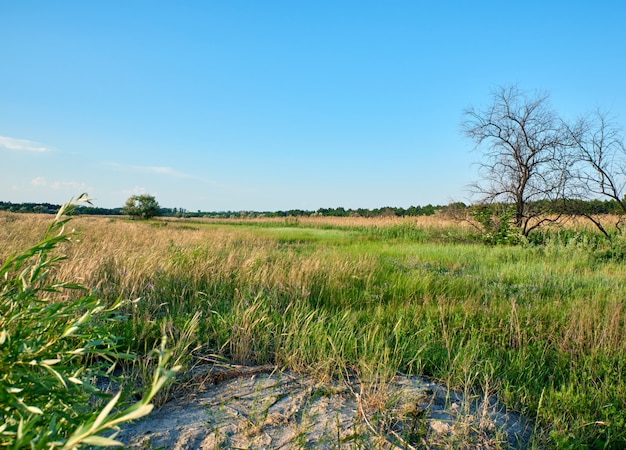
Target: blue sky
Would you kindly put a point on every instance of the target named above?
(274, 105)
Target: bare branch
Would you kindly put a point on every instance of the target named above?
(599, 168)
(522, 143)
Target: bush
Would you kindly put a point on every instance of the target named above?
(495, 221)
(143, 206)
(54, 345)
(613, 250)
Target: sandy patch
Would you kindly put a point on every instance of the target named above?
(254, 408)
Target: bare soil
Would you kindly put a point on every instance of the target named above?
(240, 407)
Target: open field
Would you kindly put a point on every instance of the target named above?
(542, 326)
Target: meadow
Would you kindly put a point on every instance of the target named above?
(541, 325)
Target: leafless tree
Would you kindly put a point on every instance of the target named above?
(524, 147)
(600, 169)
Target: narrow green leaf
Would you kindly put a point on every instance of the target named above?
(106, 411)
(33, 409)
(133, 414)
(70, 331)
(101, 441)
(50, 362)
(55, 373)
(78, 351)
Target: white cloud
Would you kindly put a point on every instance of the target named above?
(22, 145)
(39, 181)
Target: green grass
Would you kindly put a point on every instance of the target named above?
(544, 322)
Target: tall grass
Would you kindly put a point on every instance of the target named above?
(543, 322)
(56, 346)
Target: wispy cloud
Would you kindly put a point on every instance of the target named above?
(164, 171)
(158, 170)
(22, 145)
(41, 182)
(72, 185)
(137, 190)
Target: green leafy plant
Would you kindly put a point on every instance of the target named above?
(55, 350)
(496, 224)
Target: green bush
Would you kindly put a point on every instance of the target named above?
(55, 349)
(495, 221)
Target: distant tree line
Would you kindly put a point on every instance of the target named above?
(49, 208)
(571, 207)
(386, 211)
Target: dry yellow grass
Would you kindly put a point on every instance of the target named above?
(382, 221)
(440, 220)
(132, 251)
(128, 254)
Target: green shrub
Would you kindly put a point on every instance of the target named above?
(54, 347)
(612, 250)
(495, 221)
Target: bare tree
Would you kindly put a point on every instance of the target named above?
(600, 169)
(523, 144)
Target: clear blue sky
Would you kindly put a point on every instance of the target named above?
(270, 105)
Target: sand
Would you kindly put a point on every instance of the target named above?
(240, 407)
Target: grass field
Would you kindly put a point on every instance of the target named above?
(541, 325)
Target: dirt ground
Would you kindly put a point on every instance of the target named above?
(256, 408)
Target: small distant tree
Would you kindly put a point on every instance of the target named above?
(143, 206)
